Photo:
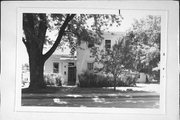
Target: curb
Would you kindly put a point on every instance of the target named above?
(90, 96)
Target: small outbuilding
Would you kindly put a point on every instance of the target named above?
(143, 76)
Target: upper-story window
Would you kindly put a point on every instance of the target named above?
(55, 67)
(107, 44)
(90, 44)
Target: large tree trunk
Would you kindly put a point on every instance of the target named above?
(35, 26)
(36, 74)
(36, 63)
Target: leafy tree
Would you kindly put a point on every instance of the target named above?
(71, 28)
(115, 60)
(138, 49)
(146, 40)
(147, 34)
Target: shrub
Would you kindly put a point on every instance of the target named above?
(89, 79)
(129, 79)
(52, 79)
(155, 77)
(25, 79)
(120, 83)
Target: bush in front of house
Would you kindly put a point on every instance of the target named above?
(53, 79)
(89, 79)
(154, 77)
(129, 79)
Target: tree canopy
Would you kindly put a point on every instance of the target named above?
(79, 27)
(147, 38)
(71, 28)
(137, 50)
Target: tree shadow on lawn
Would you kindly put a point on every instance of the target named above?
(44, 90)
(78, 90)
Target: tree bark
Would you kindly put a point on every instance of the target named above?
(36, 74)
(36, 64)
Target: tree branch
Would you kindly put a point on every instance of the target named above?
(58, 39)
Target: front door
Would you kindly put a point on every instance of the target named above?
(71, 75)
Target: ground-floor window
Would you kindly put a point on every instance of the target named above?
(107, 44)
(90, 66)
(55, 67)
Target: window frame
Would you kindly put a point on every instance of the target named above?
(107, 44)
(90, 66)
(54, 69)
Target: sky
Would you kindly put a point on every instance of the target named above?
(128, 18)
(128, 15)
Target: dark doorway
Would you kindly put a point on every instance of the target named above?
(71, 75)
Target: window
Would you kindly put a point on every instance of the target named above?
(55, 67)
(90, 66)
(70, 64)
(90, 44)
(107, 44)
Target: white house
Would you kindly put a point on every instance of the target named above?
(86, 63)
(63, 65)
(84, 60)
(69, 67)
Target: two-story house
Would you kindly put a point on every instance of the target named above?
(85, 62)
(69, 67)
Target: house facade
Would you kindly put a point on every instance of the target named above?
(60, 65)
(64, 66)
(85, 62)
(69, 67)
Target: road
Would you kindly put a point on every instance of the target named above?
(117, 102)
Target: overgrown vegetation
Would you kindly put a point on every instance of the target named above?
(138, 50)
(53, 79)
(90, 79)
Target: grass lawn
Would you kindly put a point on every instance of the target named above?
(71, 96)
(78, 90)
